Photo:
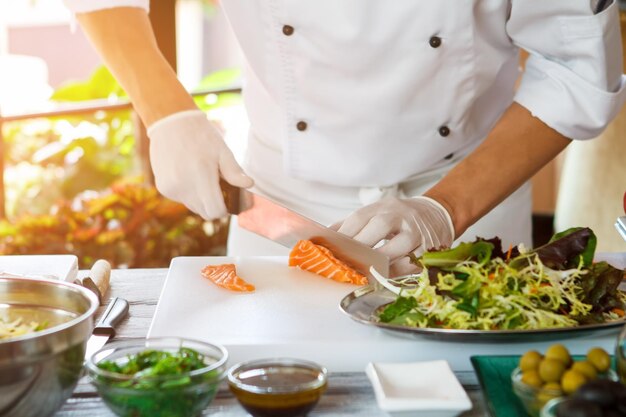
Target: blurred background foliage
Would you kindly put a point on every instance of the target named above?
(74, 185)
(129, 224)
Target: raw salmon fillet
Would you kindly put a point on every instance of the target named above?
(225, 276)
(320, 260)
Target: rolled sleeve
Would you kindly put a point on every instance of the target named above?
(85, 6)
(573, 79)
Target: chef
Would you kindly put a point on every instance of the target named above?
(398, 122)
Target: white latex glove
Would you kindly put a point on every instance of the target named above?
(188, 155)
(410, 225)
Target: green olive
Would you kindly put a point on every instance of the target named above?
(560, 353)
(551, 370)
(532, 378)
(551, 386)
(548, 391)
(571, 380)
(585, 368)
(599, 359)
(530, 360)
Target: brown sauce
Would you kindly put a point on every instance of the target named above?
(284, 401)
(278, 378)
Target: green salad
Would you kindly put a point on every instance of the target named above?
(158, 383)
(146, 365)
(478, 286)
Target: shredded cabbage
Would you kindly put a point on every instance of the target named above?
(493, 295)
(17, 327)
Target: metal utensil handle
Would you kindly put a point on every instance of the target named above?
(620, 225)
(114, 313)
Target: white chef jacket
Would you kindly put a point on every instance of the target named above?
(373, 93)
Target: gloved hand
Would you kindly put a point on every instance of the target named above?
(409, 225)
(188, 155)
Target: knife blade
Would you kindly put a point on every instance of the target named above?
(105, 328)
(274, 221)
(620, 225)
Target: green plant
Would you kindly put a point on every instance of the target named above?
(52, 164)
(222, 79)
(58, 157)
(129, 224)
(100, 84)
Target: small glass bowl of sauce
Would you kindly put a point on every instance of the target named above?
(277, 387)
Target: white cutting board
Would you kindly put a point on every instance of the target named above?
(294, 313)
(63, 267)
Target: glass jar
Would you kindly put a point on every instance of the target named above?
(620, 355)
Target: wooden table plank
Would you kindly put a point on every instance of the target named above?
(348, 394)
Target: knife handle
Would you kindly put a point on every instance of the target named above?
(98, 279)
(236, 199)
(114, 313)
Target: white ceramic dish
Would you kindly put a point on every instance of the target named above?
(418, 389)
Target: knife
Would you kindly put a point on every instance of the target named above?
(270, 219)
(620, 225)
(105, 328)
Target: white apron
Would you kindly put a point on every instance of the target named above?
(350, 101)
(326, 204)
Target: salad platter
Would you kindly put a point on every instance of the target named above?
(477, 292)
(362, 304)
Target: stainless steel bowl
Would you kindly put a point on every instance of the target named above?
(38, 371)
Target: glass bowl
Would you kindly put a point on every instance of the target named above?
(534, 399)
(183, 394)
(277, 387)
(620, 349)
(549, 410)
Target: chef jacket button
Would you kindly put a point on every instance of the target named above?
(288, 30)
(449, 156)
(444, 131)
(435, 41)
(301, 126)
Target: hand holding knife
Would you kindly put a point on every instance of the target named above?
(271, 220)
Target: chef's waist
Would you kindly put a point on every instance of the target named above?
(265, 162)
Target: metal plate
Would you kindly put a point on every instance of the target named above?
(362, 303)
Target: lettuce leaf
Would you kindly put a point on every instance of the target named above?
(479, 251)
(566, 249)
(600, 287)
(399, 307)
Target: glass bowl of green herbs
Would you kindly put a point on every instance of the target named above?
(158, 377)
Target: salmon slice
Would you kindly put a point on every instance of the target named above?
(225, 276)
(320, 260)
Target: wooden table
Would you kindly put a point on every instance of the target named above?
(349, 394)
